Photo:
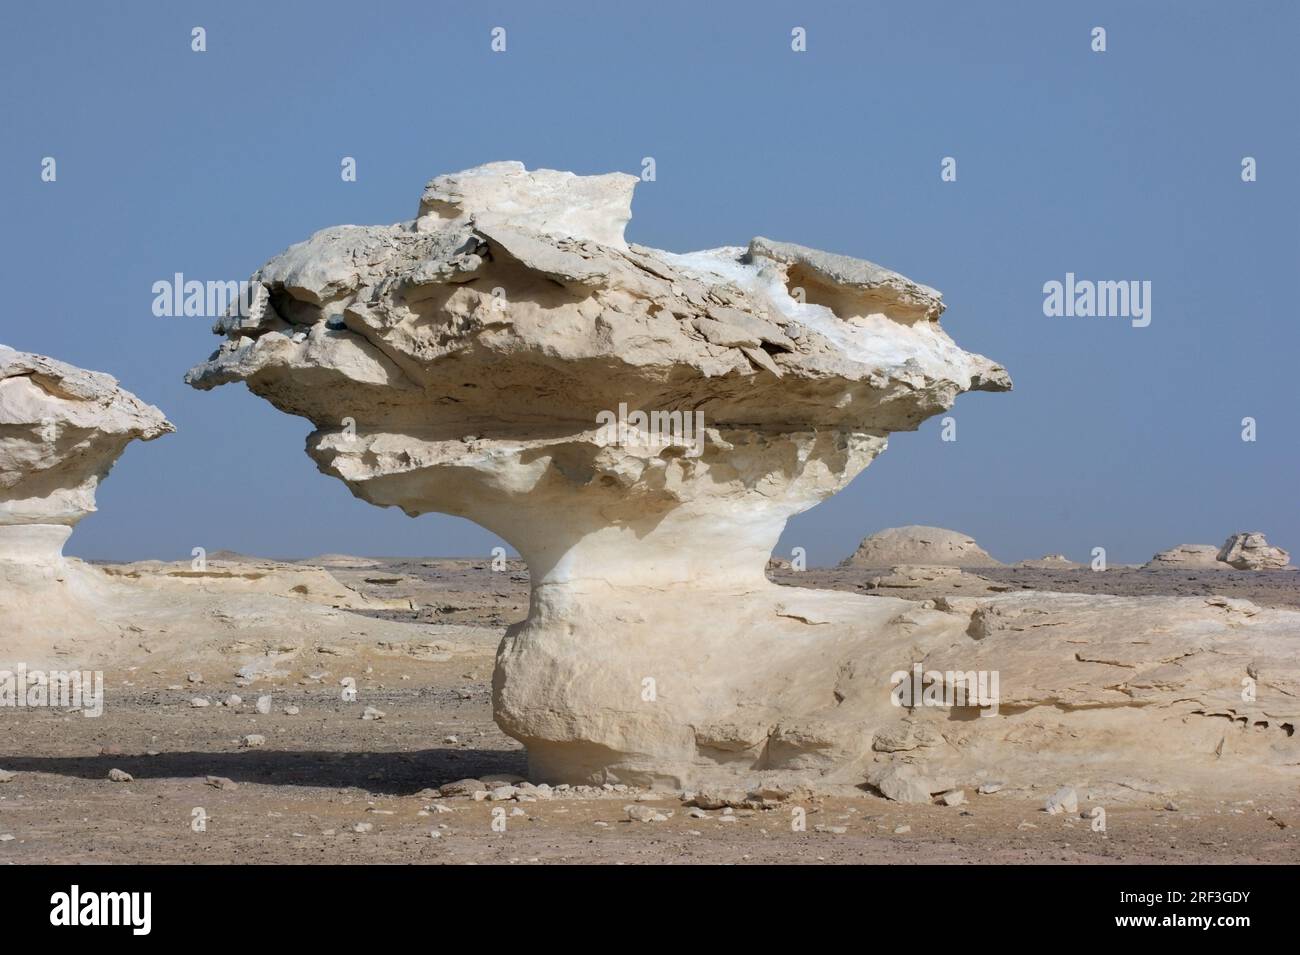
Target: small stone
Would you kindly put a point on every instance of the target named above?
(451, 739)
(836, 830)
(291, 711)
(264, 705)
(363, 827)
(721, 798)
(252, 741)
(435, 834)
(1064, 799)
(501, 793)
(234, 699)
(371, 713)
(6, 775)
(953, 797)
(461, 787)
(902, 830)
(697, 813)
(1171, 806)
(989, 788)
(517, 812)
(6, 838)
(221, 782)
(194, 677)
(199, 701)
(638, 812)
(120, 776)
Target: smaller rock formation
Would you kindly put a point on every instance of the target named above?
(1050, 562)
(1187, 557)
(235, 574)
(915, 544)
(1248, 550)
(62, 429)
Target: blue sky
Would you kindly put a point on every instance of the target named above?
(1117, 165)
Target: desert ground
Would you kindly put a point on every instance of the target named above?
(325, 785)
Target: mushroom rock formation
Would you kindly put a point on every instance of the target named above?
(916, 544)
(1248, 550)
(493, 359)
(1187, 557)
(62, 429)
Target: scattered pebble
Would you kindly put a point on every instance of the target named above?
(264, 705)
(234, 699)
(986, 789)
(199, 701)
(120, 776)
(252, 740)
(902, 830)
(953, 797)
(638, 812)
(6, 775)
(291, 711)
(371, 713)
(221, 782)
(363, 827)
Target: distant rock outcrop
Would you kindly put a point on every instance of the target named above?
(1245, 550)
(1187, 557)
(1051, 562)
(919, 545)
(1248, 550)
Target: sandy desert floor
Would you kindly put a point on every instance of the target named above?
(328, 786)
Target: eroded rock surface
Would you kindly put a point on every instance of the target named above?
(907, 578)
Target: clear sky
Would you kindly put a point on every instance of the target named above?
(1122, 165)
